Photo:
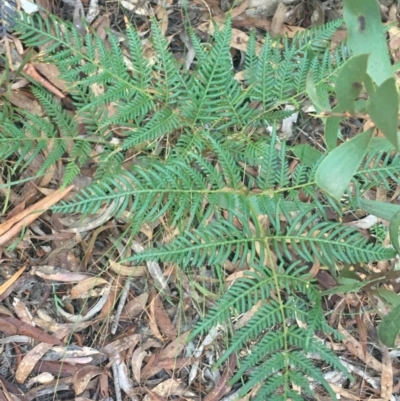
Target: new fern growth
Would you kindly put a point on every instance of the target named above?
(205, 164)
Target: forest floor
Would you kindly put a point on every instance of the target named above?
(47, 279)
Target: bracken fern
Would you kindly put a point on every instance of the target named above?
(206, 165)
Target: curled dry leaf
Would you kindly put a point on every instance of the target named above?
(90, 223)
(83, 377)
(41, 378)
(79, 318)
(133, 271)
(55, 274)
(151, 396)
(86, 288)
(136, 362)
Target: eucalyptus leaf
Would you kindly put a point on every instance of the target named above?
(337, 169)
(389, 328)
(383, 210)
(320, 99)
(307, 154)
(383, 107)
(350, 81)
(366, 35)
(394, 231)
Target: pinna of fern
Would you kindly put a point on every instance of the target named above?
(283, 331)
(112, 86)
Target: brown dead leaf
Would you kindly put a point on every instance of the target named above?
(361, 328)
(30, 360)
(16, 210)
(222, 386)
(22, 312)
(356, 349)
(241, 8)
(152, 317)
(33, 356)
(57, 274)
(131, 271)
(57, 368)
(135, 306)
(24, 101)
(121, 344)
(173, 349)
(157, 364)
(9, 387)
(387, 373)
(52, 74)
(154, 396)
(12, 227)
(86, 288)
(278, 20)
(11, 280)
(162, 319)
(30, 70)
(136, 362)
(12, 326)
(83, 377)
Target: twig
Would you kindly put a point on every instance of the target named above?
(121, 303)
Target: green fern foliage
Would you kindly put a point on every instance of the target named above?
(194, 149)
(283, 330)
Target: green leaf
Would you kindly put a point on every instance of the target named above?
(394, 231)
(385, 211)
(349, 285)
(389, 328)
(366, 35)
(388, 297)
(320, 101)
(380, 144)
(332, 128)
(383, 106)
(350, 81)
(307, 154)
(337, 169)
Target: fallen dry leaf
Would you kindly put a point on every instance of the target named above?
(22, 312)
(356, 349)
(86, 288)
(11, 280)
(121, 344)
(222, 386)
(136, 363)
(12, 227)
(278, 20)
(56, 274)
(387, 373)
(33, 357)
(135, 306)
(173, 349)
(30, 70)
(162, 319)
(12, 326)
(83, 377)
